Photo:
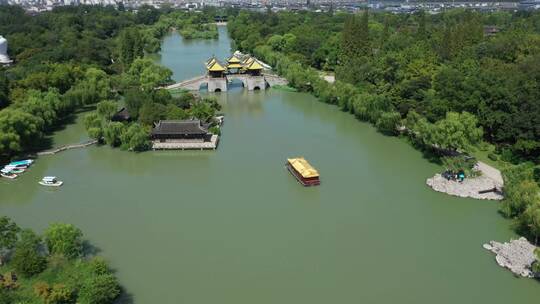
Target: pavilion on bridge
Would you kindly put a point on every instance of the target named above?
(252, 66)
(234, 64)
(215, 68)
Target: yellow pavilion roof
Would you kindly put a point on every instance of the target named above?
(254, 65)
(234, 59)
(248, 60)
(303, 167)
(213, 65)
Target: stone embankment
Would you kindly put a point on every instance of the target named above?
(486, 186)
(516, 255)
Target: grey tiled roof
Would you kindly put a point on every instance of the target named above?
(179, 127)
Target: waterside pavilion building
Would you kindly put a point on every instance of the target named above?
(182, 135)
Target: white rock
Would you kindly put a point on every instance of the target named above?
(516, 255)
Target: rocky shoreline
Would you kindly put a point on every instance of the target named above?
(516, 255)
(470, 187)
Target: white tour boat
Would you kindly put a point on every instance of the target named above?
(51, 181)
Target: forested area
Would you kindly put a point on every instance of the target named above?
(424, 64)
(73, 58)
(455, 82)
(51, 268)
(190, 25)
(65, 60)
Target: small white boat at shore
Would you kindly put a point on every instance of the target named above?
(9, 175)
(51, 181)
(13, 169)
(22, 163)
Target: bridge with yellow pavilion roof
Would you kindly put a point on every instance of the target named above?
(252, 73)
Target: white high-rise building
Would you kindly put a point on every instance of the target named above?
(4, 58)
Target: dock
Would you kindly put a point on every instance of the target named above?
(68, 147)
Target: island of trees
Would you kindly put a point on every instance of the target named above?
(51, 268)
(459, 82)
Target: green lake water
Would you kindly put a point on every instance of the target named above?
(232, 226)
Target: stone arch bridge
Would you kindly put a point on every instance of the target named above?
(221, 84)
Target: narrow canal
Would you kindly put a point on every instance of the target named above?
(232, 226)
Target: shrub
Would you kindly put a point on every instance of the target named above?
(98, 266)
(101, 289)
(215, 130)
(57, 294)
(536, 264)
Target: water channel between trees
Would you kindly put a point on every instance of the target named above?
(232, 225)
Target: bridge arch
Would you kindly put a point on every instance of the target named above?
(235, 82)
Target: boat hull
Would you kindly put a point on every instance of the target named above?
(306, 182)
(12, 176)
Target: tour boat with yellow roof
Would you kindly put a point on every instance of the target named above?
(303, 171)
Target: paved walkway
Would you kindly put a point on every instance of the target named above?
(491, 172)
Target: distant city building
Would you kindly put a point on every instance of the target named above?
(397, 7)
(529, 5)
(4, 58)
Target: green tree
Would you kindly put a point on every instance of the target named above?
(130, 46)
(276, 42)
(9, 232)
(106, 109)
(27, 260)
(4, 89)
(92, 120)
(112, 133)
(18, 130)
(530, 220)
(7, 296)
(356, 40)
(95, 87)
(203, 111)
(135, 138)
(64, 239)
(176, 113)
(146, 73)
(519, 195)
(457, 132)
(388, 122)
(43, 105)
(152, 112)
